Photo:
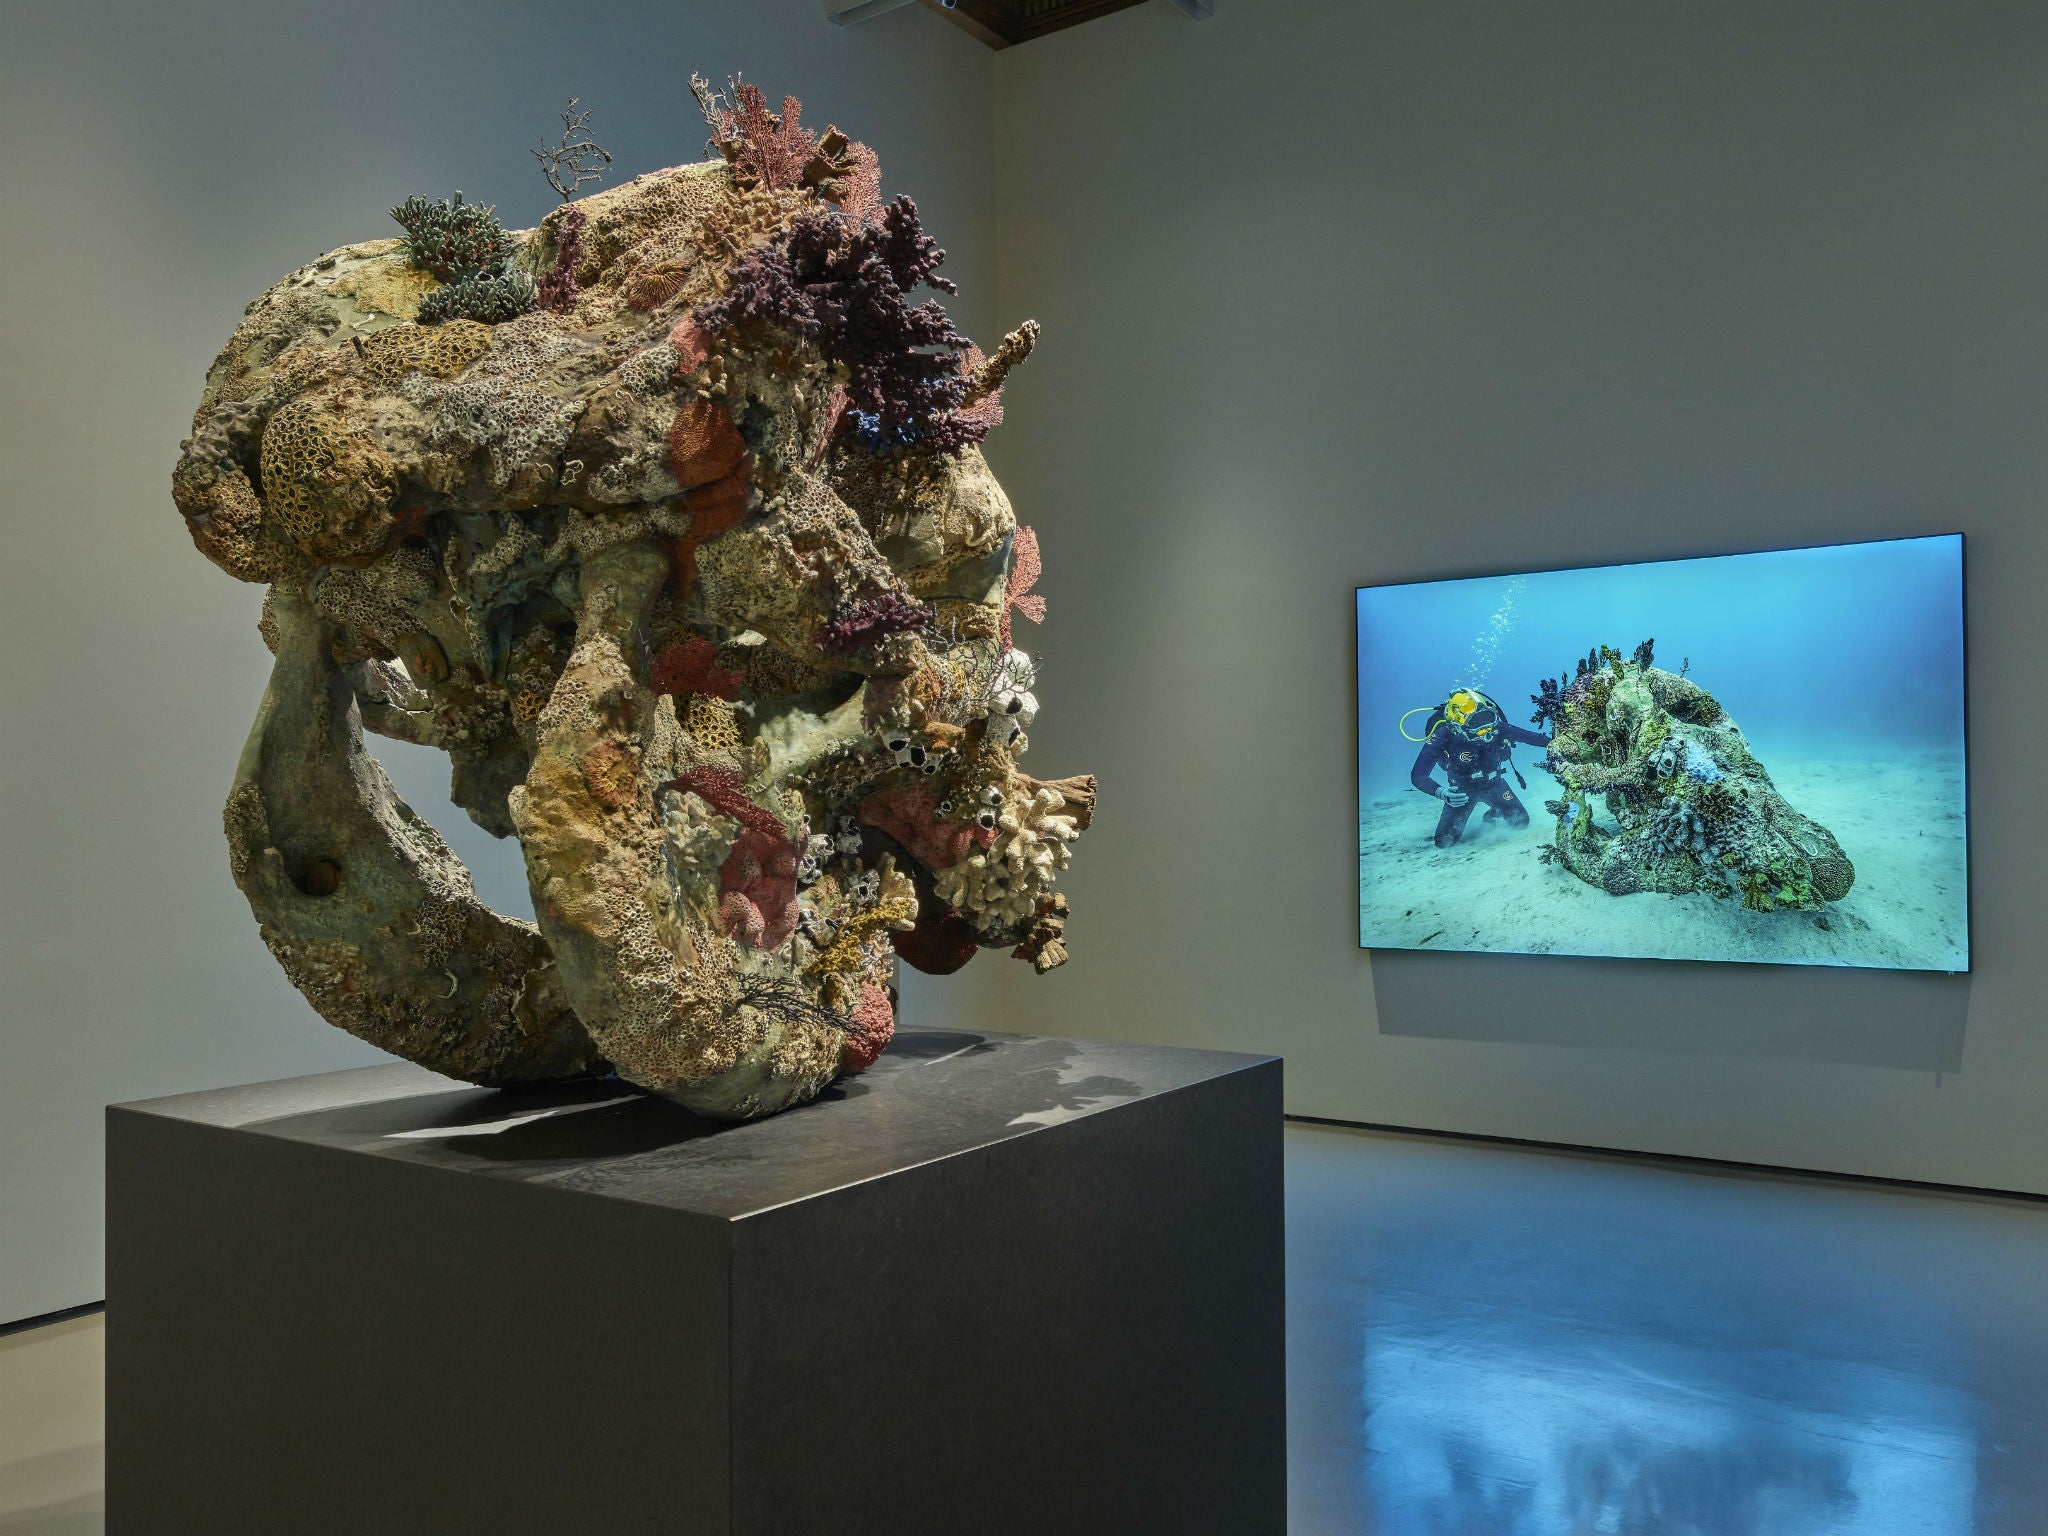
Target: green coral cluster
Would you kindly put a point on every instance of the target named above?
(491, 300)
(453, 239)
(464, 246)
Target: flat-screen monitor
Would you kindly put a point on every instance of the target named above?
(1751, 757)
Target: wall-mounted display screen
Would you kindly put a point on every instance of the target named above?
(1749, 757)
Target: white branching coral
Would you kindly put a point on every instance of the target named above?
(1000, 886)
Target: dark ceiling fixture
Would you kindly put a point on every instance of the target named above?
(1003, 23)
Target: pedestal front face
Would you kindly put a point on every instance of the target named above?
(998, 1283)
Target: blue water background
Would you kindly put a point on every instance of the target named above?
(1842, 653)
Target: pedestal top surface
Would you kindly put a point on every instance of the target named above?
(934, 1094)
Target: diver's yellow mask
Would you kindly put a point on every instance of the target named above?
(1472, 714)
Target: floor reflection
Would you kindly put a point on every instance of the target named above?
(1497, 1342)
(1488, 1434)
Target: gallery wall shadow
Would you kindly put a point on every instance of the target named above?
(1910, 1020)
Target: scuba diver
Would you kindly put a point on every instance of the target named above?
(1471, 740)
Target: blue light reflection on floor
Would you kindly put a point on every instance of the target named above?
(1491, 1435)
(1492, 1341)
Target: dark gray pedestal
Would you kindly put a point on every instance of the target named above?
(997, 1284)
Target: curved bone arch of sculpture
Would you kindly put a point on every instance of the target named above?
(710, 624)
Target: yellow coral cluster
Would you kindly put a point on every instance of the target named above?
(530, 672)
(442, 350)
(326, 486)
(745, 221)
(226, 524)
(714, 727)
(381, 279)
(965, 618)
(620, 218)
(895, 910)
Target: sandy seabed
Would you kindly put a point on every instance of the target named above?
(1899, 819)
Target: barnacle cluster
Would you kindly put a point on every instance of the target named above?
(1692, 808)
(696, 573)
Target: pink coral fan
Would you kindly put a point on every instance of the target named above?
(691, 666)
(1025, 569)
(910, 814)
(860, 197)
(870, 1030)
(764, 148)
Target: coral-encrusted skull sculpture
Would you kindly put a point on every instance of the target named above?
(1693, 809)
(695, 571)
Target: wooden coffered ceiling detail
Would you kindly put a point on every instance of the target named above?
(1000, 23)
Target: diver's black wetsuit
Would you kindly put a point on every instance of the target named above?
(1479, 769)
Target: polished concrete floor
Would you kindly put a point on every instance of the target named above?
(1488, 1341)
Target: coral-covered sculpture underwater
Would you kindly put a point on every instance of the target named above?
(665, 520)
(1693, 809)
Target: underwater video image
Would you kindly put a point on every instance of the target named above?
(1748, 757)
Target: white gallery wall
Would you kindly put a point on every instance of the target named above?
(1339, 294)
(168, 163)
(1333, 293)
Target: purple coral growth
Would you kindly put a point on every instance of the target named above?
(859, 625)
(842, 286)
(558, 288)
